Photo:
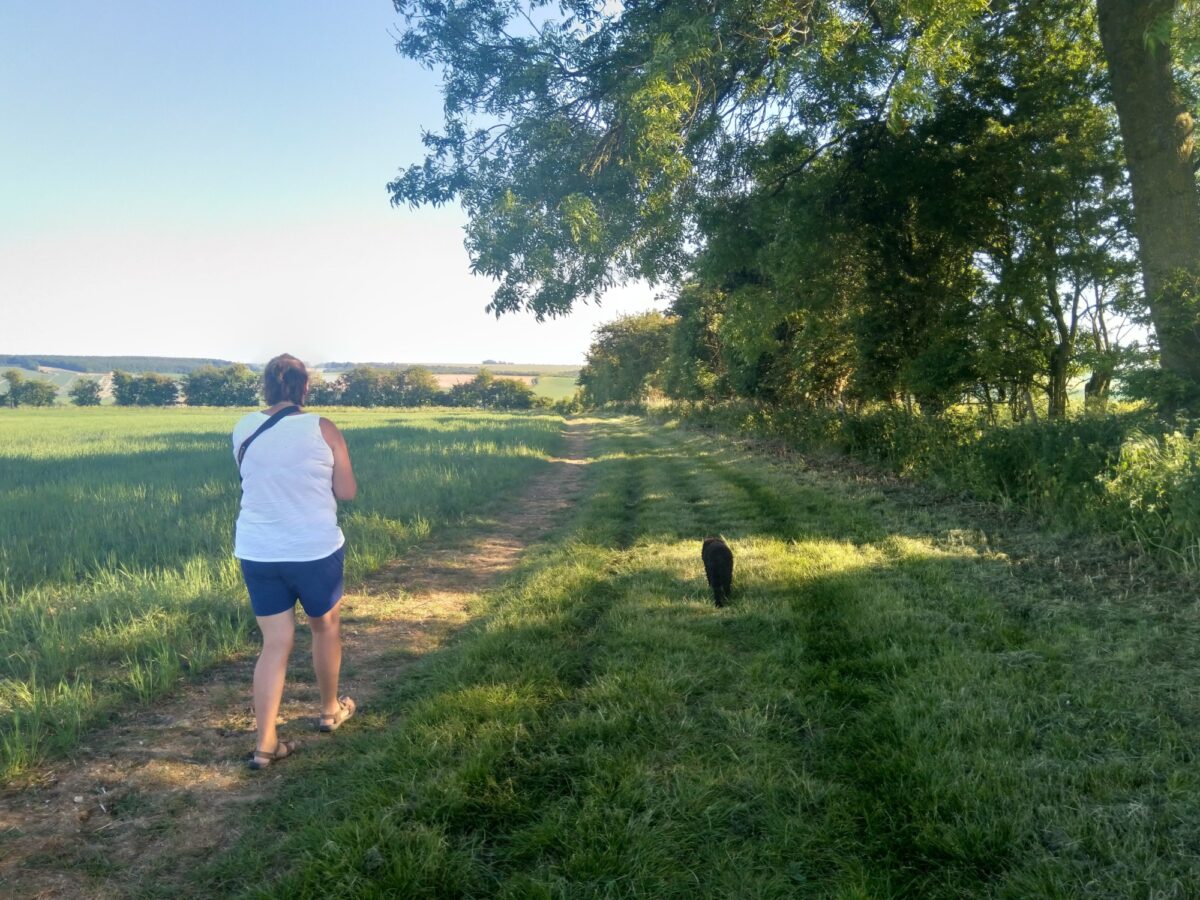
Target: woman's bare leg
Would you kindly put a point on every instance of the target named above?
(327, 656)
(270, 671)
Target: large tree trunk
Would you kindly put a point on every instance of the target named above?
(1156, 127)
(1059, 366)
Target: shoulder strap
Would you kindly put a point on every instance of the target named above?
(270, 423)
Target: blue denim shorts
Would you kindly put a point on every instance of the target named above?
(276, 586)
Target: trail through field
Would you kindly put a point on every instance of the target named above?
(163, 788)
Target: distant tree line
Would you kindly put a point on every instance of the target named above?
(99, 365)
(456, 368)
(416, 386)
(238, 385)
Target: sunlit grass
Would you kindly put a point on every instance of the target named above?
(116, 527)
(885, 710)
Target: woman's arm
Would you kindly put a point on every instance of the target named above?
(344, 485)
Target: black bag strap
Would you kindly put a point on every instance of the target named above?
(270, 423)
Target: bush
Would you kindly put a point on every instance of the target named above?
(1049, 465)
(1153, 494)
(85, 392)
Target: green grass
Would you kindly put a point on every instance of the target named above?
(555, 387)
(889, 708)
(116, 567)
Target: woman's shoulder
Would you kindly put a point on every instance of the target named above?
(255, 416)
(249, 422)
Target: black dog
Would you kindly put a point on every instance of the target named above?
(718, 568)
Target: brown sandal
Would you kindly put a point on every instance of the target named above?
(333, 721)
(260, 759)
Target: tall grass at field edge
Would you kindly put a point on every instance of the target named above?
(1125, 473)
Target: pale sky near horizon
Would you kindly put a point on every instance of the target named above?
(209, 180)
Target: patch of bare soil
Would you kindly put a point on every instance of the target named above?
(165, 783)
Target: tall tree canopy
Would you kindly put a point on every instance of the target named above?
(580, 142)
(870, 199)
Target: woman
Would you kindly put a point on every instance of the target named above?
(294, 468)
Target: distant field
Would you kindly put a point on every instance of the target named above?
(449, 379)
(116, 567)
(556, 387)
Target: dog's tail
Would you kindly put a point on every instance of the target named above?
(721, 591)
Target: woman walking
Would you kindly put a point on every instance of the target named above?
(294, 468)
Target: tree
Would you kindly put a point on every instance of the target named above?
(420, 387)
(414, 386)
(490, 392)
(361, 386)
(15, 383)
(323, 393)
(510, 393)
(1061, 230)
(125, 388)
(85, 392)
(694, 368)
(625, 358)
(602, 127)
(147, 389)
(157, 390)
(1157, 131)
(24, 391)
(865, 201)
(36, 392)
(234, 385)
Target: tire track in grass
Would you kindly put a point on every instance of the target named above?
(586, 619)
(164, 788)
(864, 641)
(844, 682)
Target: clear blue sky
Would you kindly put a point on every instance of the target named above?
(209, 180)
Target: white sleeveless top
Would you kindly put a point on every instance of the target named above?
(289, 513)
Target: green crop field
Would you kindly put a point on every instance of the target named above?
(555, 387)
(116, 574)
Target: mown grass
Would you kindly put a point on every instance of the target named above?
(116, 568)
(887, 709)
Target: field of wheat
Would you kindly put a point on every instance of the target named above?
(116, 569)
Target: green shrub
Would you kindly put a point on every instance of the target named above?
(1153, 494)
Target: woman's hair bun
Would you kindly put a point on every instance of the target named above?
(285, 379)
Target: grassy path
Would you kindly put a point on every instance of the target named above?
(908, 697)
(165, 787)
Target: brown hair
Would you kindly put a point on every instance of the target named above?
(285, 378)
